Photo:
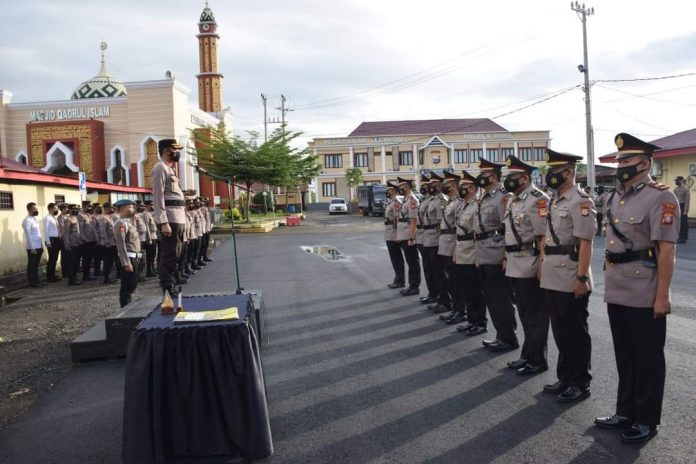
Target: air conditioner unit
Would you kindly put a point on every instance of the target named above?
(692, 169)
(656, 169)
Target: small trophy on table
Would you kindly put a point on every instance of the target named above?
(167, 305)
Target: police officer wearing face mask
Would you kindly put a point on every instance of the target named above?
(525, 228)
(566, 276)
(422, 226)
(391, 213)
(406, 234)
(490, 254)
(445, 252)
(169, 211)
(129, 252)
(431, 241)
(641, 224)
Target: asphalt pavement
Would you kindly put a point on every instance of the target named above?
(358, 374)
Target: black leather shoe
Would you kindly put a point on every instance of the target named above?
(517, 364)
(36, 285)
(74, 283)
(440, 308)
(428, 299)
(207, 260)
(573, 394)
(447, 317)
(487, 343)
(88, 278)
(531, 369)
(556, 387)
(396, 285)
(612, 422)
(502, 347)
(410, 291)
(465, 327)
(476, 330)
(457, 319)
(201, 263)
(639, 433)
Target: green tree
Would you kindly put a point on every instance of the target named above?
(354, 177)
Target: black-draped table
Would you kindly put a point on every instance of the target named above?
(195, 392)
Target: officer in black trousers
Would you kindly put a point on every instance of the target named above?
(423, 226)
(640, 258)
(406, 234)
(396, 256)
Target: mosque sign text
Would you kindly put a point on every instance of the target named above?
(70, 113)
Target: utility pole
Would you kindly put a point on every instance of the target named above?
(265, 119)
(583, 12)
(282, 113)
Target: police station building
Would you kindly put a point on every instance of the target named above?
(386, 149)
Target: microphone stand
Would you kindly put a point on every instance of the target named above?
(228, 180)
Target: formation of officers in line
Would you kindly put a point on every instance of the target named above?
(489, 242)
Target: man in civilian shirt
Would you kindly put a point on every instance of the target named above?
(52, 240)
(32, 233)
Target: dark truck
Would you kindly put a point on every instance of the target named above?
(372, 199)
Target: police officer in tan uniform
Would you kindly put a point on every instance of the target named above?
(71, 243)
(406, 234)
(566, 276)
(468, 298)
(490, 253)
(396, 256)
(445, 251)
(151, 248)
(128, 243)
(641, 224)
(107, 241)
(525, 228)
(421, 226)
(170, 213)
(683, 195)
(88, 240)
(431, 240)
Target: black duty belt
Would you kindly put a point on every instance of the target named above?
(174, 203)
(389, 222)
(647, 256)
(429, 226)
(419, 227)
(489, 234)
(465, 237)
(570, 250)
(523, 247)
(449, 231)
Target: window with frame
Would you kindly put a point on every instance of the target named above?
(328, 189)
(459, 156)
(525, 154)
(59, 199)
(360, 160)
(492, 154)
(333, 161)
(540, 154)
(475, 154)
(22, 159)
(6, 200)
(406, 158)
(508, 152)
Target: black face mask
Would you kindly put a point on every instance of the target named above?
(34, 213)
(423, 190)
(175, 156)
(401, 192)
(679, 183)
(74, 212)
(463, 191)
(432, 190)
(140, 210)
(446, 189)
(511, 185)
(554, 180)
(626, 173)
(483, 181)
(88, 210)
(55, 213)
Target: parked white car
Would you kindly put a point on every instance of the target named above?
(338, 205)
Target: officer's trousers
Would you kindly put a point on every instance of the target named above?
(468, 298)
(496, 294)
(639, 342)
(429, 257)
(534, 316)
(64, 266)
(110, 255)
(73, 263)
(53, 253)
(98, 258)
(129, 282)
(33, 261)
(170, 250)
(413, 262)
(684, 223)
(570, 331)
(87, 251)
(445, 288)
(397, 261)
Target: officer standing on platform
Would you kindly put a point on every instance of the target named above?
(406, 234)
(170, 213)
(445, 251)
(468, 297)
(128, 246)
(566, 276)
(642, 223)
(490, 253)
(431, 240)
(525, 229)
(421, 226)
(391, 213)
(683, 195)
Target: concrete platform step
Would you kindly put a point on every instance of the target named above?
(92, 346)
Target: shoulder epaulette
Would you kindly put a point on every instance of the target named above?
(537, 193)
(658, 186)
(583, 194)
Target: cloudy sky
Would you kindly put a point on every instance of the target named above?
(342, 62)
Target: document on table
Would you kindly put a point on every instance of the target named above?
(228, 314)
